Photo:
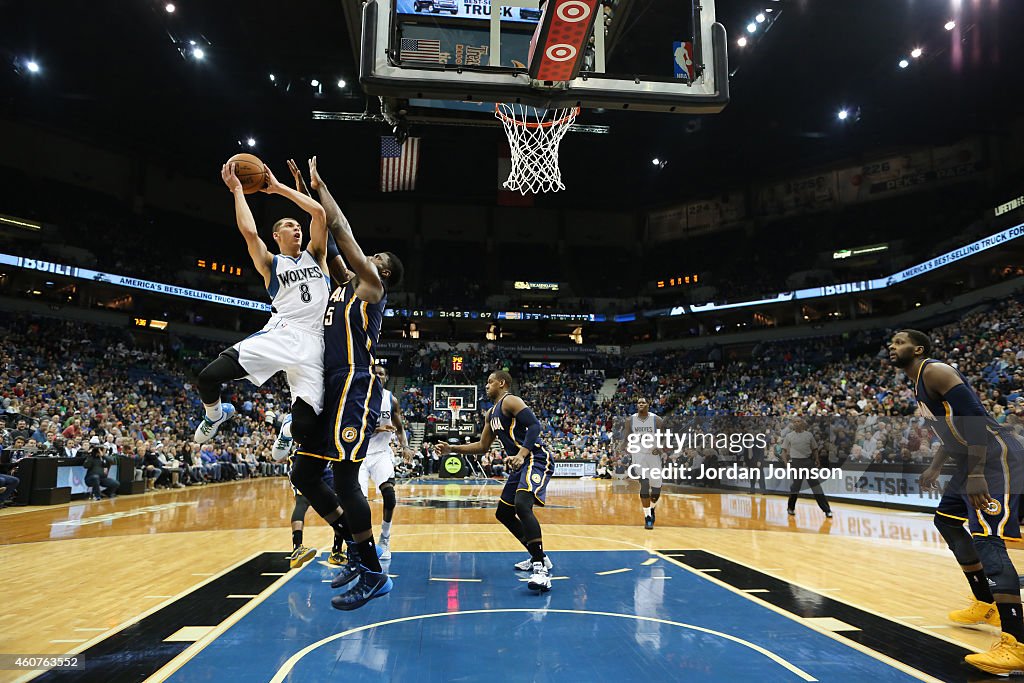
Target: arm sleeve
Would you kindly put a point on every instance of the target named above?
(332, 247)
(526, 418)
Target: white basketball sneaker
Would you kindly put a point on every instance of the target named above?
(208, 428)
(540, 580)
(384, 548)
(527, 564)
(283, 445)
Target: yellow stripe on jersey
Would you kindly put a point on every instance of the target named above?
(366, 415)
(949, 423)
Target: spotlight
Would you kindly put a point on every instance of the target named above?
(169, 8)
(950, 25)
(760, 18)
(273, 78)
(191, 42)
(843, 114)
(751, 27)
(315, 83)
(251, 142)
(341, 83)
(32, 66)
(656, 161)
(198, 53)
(916, 52)
(904, 63)
(742, 42)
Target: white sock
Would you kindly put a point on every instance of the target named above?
(385, 529)
(214, 412)
(647, 512)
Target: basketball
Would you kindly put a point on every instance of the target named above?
(251, 171)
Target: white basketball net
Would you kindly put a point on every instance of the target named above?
(533, 138)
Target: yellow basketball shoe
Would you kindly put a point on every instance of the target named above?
(978, 613)
(301, 556)
(1006, 658)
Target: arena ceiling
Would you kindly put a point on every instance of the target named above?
(123, 73)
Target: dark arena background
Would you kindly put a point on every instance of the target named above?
(758, 196)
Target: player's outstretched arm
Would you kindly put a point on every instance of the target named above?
(261, 258)
(476, 448)
(317, 227)
(370, 286)
(335, 263)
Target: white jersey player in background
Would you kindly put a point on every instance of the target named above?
(379, 464)
(646, 458)
(293, 338)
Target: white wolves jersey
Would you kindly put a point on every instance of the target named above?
(381, 441)
(299, 290)
(638, 426)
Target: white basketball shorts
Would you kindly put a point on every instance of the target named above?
(377, 466)
(280, 346)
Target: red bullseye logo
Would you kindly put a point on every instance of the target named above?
(560, 52)
(573, 11)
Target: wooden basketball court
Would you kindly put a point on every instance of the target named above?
(725, 585)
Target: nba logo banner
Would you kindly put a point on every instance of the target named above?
(682, 54)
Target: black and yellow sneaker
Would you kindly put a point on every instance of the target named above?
(301, 556)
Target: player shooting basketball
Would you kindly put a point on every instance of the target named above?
(292, 340)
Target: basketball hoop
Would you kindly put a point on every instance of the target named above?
(533, 138)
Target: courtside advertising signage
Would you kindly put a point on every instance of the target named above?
(131, 282)
(782, 297)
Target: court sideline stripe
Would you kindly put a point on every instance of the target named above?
(134, 620)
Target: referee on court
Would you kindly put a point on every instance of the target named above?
(798, 450)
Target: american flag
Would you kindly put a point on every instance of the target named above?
(420, 50)
(398, 164)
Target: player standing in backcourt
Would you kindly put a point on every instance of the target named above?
(984, 492)
(646, 457)
(530, 466)
(379, 464)
(292, 340)
(352, 396)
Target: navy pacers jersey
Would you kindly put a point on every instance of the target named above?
(351, 329)
(947, 426)
(535, 473)
(1004, 464)
(508, 433)
(352, 392)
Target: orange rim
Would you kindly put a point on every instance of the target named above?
(573, 113)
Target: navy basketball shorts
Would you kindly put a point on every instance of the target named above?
(1004, 474)
(352, 400)
(533, 476)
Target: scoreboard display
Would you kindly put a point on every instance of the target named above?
(456, 364)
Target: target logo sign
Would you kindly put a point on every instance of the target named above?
(560, 52)
(558, 43)
(573, 11)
